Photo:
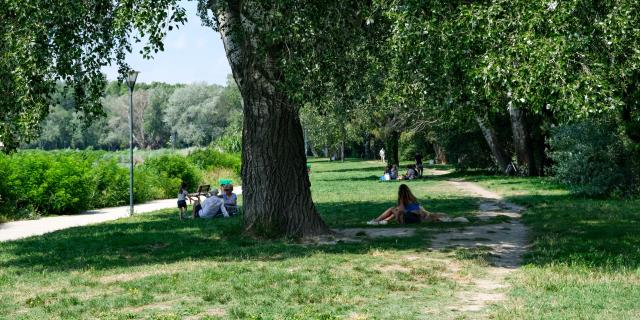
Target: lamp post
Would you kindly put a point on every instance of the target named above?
(131, 82)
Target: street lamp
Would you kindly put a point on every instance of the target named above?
(131, 82)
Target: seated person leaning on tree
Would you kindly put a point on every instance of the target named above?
(230, 199)
(406, 211)
(210, 207)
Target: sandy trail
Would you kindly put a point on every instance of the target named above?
(505, 242)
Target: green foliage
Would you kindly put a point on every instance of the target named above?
(229, 143)
(63, 182)
(591, 159)
(46, 42)
(221, 112)
(194, 114)
(209, 158)
(111, 184)
(51, 183)
(172, 170)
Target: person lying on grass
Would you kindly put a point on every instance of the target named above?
(407, 210)
(210, 207)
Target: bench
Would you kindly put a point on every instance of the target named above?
(202, 191)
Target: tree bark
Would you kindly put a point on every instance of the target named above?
(392, 147)
(441, 154)
(521, 140)
(499, 154)
(276, 188)
(367, 150)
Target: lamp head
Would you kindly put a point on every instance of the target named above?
(131, 79)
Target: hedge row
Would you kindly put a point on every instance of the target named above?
(67, 182)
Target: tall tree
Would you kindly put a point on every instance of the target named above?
(273, 47)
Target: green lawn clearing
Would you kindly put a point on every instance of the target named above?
(153, 266)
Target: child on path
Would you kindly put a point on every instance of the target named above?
(183, 194)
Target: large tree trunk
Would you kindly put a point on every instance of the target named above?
(367, 150)
(521, 140)
(392, 147)
(441, 153)
(499, 154)
(276, 194)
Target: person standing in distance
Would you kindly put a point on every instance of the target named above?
(382, 155)
(419, 165)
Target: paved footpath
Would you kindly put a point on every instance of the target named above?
(27, 228)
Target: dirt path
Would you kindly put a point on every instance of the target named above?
(27, 228)
(505, 243)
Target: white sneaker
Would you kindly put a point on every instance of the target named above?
(373, 223)
(383, 222)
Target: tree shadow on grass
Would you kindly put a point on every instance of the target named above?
(114, 245)
(159, 238)
(595, 234)
(364, 169)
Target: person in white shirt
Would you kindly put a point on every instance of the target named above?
(382, 155)
(210, 207)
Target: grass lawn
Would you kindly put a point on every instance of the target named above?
(154, 266)
(585, 259)
(584, 263)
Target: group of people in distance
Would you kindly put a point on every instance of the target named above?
(214, 204)
(413, 170)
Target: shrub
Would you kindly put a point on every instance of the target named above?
(110, 184)
(229, 143)
(54, 183)
(172, 170)
(591, 159)
(208, 159)
(149, 185)
(6, 196)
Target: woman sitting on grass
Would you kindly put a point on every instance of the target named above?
(407, 210)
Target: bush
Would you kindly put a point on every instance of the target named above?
(110, 184)
(60, 182)
(172, 170)
(52, 183)
(591, 159)
(229, 143)
(208, 159)
(6, 196)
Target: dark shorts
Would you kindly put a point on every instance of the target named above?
(182, 203)
(410, 217)
(196, 210)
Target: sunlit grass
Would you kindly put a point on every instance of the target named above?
(584, 263)
(154, 266)
(585, 258)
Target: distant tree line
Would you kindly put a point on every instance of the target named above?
(164, 115)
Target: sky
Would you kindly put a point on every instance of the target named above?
(193, 53)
